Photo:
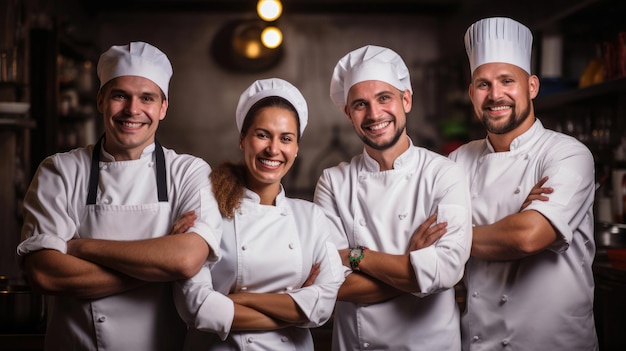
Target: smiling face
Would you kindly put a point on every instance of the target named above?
(501, 94)
(132, 108)
(377, 111)
(270, 145)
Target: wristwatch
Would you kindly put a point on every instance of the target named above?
(355, 256)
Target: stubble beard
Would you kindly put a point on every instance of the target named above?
(385, 145)
(514, 121)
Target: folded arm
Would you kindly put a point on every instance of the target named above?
(166, 258)
(516, 236)
(54, 273)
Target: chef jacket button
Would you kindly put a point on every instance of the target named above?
(517, 190)
(150, 164)
(250, 340)
(362, 222)
(291, 245)
(366, 345)
(475, 338)
(402, 216)
(244, 288)
(244, 248)
(283, 214)
(526, 157)
(504, 299)
(102, 319)
(289, 288)
(284, 339)
(505, 342)
(106, 200)
(475, 294)
(104, 167)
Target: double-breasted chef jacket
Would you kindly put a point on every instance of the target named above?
(380, 210)
(544, 301)
(124, 206)
(265, 249)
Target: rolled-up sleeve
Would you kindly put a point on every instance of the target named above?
(441, 265)
(47, 224)
(201, 307)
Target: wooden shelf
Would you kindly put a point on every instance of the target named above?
(17, 123)
(558, 100)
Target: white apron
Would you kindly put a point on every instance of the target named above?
(140, 319)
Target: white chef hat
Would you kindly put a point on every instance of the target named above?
(272, 87)
(368, 63)
(135, 59)
(499, 39)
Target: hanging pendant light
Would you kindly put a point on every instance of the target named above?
(269, 10)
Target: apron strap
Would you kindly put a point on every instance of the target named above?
(160, 172)
(94, 174)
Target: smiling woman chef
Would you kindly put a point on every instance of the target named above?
(97, 218)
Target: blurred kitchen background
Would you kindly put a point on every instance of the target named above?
(49, 51)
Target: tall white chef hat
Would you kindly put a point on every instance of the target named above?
(368, 63)
(135, 59)
(272, 87)
(499, 39)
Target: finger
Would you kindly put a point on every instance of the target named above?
(541, 182)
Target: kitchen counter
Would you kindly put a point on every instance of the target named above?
(610, 304)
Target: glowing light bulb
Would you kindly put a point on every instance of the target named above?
(269, 10)
(271, 37)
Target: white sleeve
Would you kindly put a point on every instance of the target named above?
(201, 307)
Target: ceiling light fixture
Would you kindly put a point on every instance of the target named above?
(269, 10)
(271, 37)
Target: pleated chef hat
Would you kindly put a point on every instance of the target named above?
(499, 39)
(368, 63)
(135, 59)
(272, 87)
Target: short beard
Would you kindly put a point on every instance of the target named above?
(513, 122)
(384, 146)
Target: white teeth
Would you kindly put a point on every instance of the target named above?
(131, 125)
(270, 162)
(500, 108)
(379, 126)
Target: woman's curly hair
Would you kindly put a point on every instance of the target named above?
(228, 181)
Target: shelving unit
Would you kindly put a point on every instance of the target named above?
(63, 92)
(14, 177)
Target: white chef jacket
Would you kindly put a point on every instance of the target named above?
(381, 210)
(265, 249)
(545, 301)
(56, 212)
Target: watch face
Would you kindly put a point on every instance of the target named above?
(355, 252)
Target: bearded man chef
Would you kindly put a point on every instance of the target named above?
(398, 295)
(97, 218)
(529, 279)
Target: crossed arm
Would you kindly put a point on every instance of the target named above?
(387, 276)
(96, 268)
(527, 232)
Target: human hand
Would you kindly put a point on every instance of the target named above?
(315, 271)
(345, 257)
(427, 233)
(536, 193)
(183, 223)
